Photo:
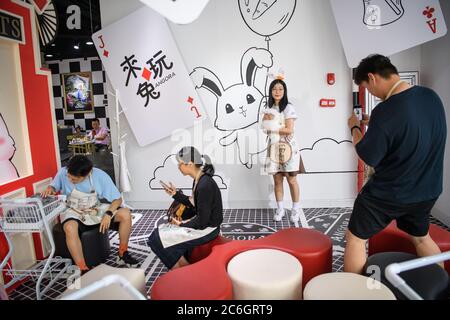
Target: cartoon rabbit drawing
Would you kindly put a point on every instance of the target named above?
(238, 106)
(8, 171)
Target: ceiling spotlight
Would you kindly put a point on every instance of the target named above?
(89, 43)
(53, 44)
(76, 46)
(49, 55)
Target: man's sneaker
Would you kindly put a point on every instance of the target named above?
(279, 214)
(295, 214)
(127, 260)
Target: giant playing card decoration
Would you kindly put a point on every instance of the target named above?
(144, 65)
(386, 26)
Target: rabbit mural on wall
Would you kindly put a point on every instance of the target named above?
(8, 171)
(238, 106)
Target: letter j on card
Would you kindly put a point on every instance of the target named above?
(144, 65)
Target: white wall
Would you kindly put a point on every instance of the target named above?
(217, 41)
(436, 75)
(408, 60)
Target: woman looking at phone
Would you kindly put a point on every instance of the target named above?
(173, 242)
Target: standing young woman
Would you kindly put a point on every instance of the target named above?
(172, 244)
(283, 156)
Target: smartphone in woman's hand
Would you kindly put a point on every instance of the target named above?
(169, 189)
(164, 185)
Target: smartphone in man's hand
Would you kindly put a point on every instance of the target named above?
(358, 112)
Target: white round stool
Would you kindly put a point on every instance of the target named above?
(264, 274)
(135, 276)
(346, 286)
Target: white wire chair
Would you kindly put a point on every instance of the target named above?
(392, 272)
(31, 215)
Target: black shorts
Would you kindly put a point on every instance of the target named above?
(114, 226)
(371, 215)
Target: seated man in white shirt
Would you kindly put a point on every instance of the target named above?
(100, 135)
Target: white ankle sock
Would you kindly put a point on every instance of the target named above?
(280, 205)
(296, 205)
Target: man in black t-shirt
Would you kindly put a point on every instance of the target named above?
(405, 144)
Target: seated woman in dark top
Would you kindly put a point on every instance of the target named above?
(173, 242)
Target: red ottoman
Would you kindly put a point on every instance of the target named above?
(202, 251)
(208, 279)
(394, 239)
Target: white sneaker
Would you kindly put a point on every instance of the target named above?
(296, 213)
(279, 214)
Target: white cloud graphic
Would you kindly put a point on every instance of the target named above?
(168, 172)
(330, 156)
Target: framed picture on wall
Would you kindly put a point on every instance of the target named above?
(77, 88)
(412, 77)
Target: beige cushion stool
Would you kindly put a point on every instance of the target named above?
(136, 277)
(265, 274)
(346, 286)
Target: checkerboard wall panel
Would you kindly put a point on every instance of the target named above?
(84, 120)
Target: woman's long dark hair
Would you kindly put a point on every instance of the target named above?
(190, 154)
(284, 101)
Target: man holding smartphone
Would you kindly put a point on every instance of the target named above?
(405, 145)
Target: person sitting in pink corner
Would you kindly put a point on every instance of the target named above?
(100, 135)
(8, 171)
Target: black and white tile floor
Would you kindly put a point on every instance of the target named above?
(242, 224)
